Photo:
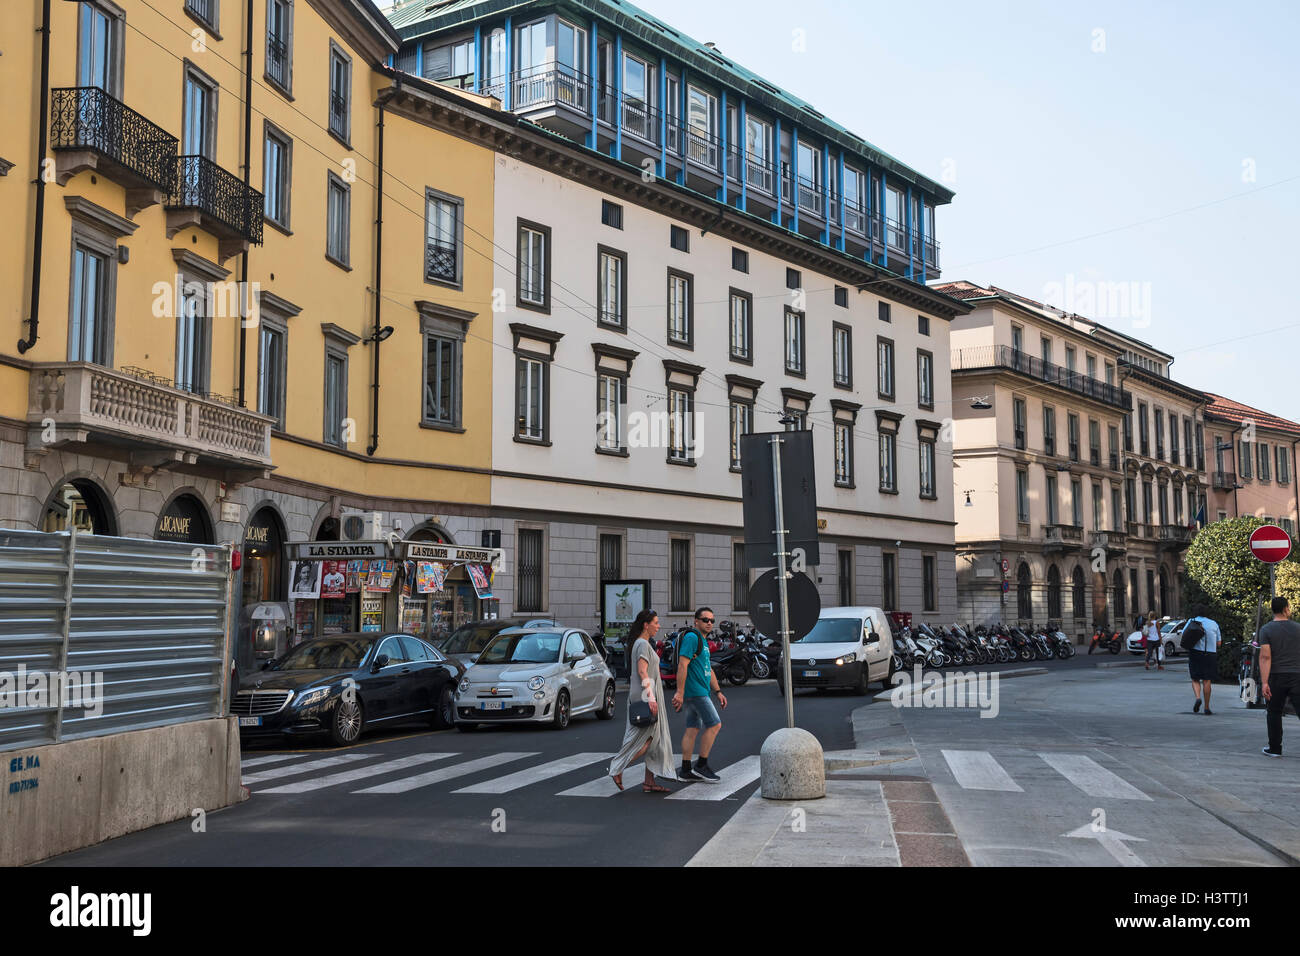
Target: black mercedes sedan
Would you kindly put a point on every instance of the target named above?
(345, 683)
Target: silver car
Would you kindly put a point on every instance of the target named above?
(537, 675)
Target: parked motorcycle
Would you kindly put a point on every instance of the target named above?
(1112, 642)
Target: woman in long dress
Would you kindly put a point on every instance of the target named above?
(654, 742)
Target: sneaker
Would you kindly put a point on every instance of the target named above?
(687, 775)
(1271, 753)
(1196, 707)
(704, 772)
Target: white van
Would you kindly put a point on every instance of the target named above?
(847, 647)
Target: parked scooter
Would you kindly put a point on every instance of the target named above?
(1107, 642)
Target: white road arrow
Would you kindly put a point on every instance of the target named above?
(1113, 842)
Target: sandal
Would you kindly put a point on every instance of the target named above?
(654, 788)
(618, 780)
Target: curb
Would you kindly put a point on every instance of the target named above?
(1139, 663)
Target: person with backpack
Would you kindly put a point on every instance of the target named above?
(695, 680)
(1279, 670)
(1200, 638)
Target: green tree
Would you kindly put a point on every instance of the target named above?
(1288, 585)
(1222, 571)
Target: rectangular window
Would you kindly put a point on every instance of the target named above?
(205, 11)
(844, 455)
(1090, 363)
(928, 582)
(1144, 425)
(1116, 510)
(1264, 460)
(923, 324)
(534, 275)
(1069, 358)
(681, 303)
(336, 399)
(927, 469)
(89, 330)
(192, 338)
(1200, 447)
(531, 398)
(1049, 430)
(924, 379)
(1160, 433)
(275, 177)
(279, 43)
(882, 311)
(338, 216)
(1187, 442)
(1022, 496)
(528, 571)
(198, 124)
(1283, 465)
(1017, 338)
(889, 580)
(794, 341)
(1051, 497)
(611, 287)
(99, 40)
(679, 239)
(1173, 438)
(740, 260)
(841, 297)
(739, 578)
(1046, 345)
(793, 279)
(1098, 507)
(1072, 422)
(1094, 442)
(1112, 443)
(442, 238)
(611, 557)
(1110, 373)
(844, 577)
(1130, 499)
(842, 337)
(1019, 416)
(1076, 503)
(681, 425)
(680, 575)
(701, 127)
(888, 462)
(611, 214)
(1244, 459)
(885, 368)
(741, 324)
(442, 370)
(340, 94)
(742, 423)
(271, 372)
(610, 400)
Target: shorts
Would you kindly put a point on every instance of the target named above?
(1203, 665)
(700, 712)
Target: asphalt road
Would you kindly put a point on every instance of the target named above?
(494, 797)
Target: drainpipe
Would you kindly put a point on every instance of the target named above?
(1295, 484)
(375, 337)
(248, 147)
(38, 229)
(1236, 478)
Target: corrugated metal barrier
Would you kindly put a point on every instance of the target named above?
(149, 619)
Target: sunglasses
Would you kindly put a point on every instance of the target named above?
(705, 620)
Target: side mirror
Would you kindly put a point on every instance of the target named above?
(874, 638)
(380, 662)
(573, 661)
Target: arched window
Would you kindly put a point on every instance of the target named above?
(1121, 609)
(79, 502)
(1024, 595)
(1080, 595)
(1054, 593)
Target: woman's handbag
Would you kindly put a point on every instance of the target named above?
(639, 714)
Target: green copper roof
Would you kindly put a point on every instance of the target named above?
(426, 17)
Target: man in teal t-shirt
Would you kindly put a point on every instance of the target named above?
(695, 679)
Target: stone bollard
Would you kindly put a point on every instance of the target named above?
(792, 766)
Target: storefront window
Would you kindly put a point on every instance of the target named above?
(79, 504)
(263, 558)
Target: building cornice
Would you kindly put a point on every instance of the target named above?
(361, 26)
(424, 102)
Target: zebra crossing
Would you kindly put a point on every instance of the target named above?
(980, 770)
(362, 772)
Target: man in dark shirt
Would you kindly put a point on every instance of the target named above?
(1279, 670)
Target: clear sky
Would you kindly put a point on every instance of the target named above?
(1078, 157)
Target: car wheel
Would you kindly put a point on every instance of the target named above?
(1170, 649)
(348, 720)
(444, 715)
(607, 712)
(561, 718)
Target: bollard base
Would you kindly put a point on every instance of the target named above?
(792, 766)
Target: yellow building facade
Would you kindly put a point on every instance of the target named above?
(214, 219)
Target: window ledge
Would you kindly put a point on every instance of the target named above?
(440, 427)
(275, 84)
(277, 226)
(544, 308)
(847, 485)
(340, 137)
(210, 27)
(889, 491)
(742, 359)
(342, 265)
(795, 373)
(542, 442)
(848, 387)
(613, 452)
(685, 463)
(457, 284)
(678, 344)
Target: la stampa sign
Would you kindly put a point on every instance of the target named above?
(1270, 544)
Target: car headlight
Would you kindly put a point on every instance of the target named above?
(464, 684)
(537, 683)
(846, 659)
(313, 696)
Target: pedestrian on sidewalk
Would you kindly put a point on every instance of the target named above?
(1203, 656)
(1154, 647)
(1279, 669)
(695, 680)
(653, 741)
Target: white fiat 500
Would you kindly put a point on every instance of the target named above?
(539, 675)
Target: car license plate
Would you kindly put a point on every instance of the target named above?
(250, 721)
(491, 705)
(812, 673)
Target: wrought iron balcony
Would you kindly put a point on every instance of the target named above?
(1224, 480)
(1112, 541)
(439, 261)
(1005, 357)
(1175, 537)
(1062, 536)
(158, 424)
(549, 86)
(215, 200)
(90, 129)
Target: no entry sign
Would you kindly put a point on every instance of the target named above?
(1270, 544)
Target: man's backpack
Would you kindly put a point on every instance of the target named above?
(1193, 631)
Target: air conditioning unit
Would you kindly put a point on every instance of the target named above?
(367, 526)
